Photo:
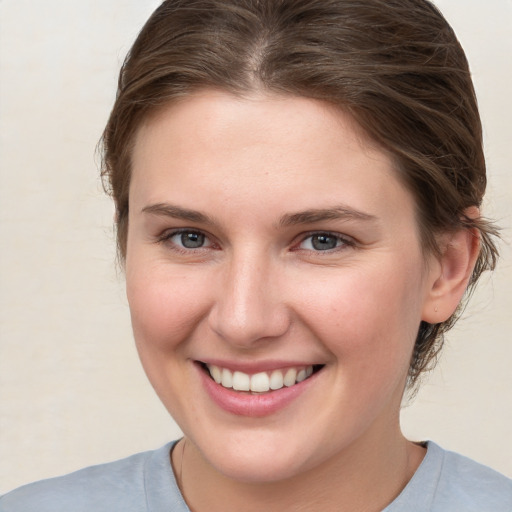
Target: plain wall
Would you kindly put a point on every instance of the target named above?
(72, 392)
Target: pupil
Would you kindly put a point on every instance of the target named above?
(323, 242)
(192, 240)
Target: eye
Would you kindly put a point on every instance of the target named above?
(188, 239)
(323, 242)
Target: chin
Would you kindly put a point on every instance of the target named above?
(263, 460)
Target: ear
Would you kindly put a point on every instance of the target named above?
(450, 272)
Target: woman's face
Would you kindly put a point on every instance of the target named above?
(268, 240)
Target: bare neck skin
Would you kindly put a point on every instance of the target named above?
(359, 480)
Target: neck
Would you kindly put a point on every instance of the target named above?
(358, 479)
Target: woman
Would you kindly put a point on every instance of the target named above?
(297, 186)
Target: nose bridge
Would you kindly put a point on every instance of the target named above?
(248, 305)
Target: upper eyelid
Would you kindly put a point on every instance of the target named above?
(345, 238)
(169, 233)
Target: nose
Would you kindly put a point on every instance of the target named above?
(249, 306)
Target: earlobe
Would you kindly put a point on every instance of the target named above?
(450, 276)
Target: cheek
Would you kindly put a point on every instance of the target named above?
(165, 311)
(165, 307)
(366, 315)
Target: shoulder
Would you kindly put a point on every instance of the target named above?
(448, 481)
(473, 486)
(119, 485)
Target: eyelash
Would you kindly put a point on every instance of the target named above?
(168, 235)
(342, 241)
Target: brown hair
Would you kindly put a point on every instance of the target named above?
(395, 65)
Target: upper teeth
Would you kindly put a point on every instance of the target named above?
(259, 382)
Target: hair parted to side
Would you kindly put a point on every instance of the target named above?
(394, 65)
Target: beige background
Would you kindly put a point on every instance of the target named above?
(71, 389)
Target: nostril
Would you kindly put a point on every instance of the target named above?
(244, 328)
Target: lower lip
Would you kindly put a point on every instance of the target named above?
(252, 405)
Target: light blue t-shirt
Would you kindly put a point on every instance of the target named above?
(445, 481)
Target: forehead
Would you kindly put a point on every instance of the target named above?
(213, 121)
(214, 143)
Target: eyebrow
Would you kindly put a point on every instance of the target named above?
(289, 219)
(323, 214)
(177, 212)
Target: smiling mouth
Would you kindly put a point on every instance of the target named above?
(262, 382)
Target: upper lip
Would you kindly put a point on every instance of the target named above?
(252, 367)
